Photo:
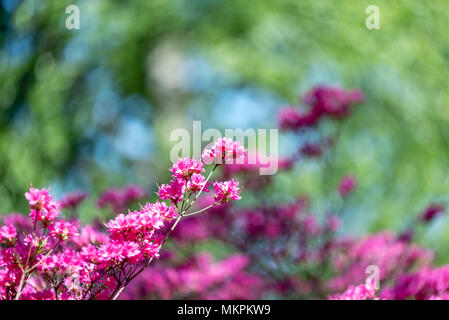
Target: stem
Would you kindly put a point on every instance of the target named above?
(199, 211)
(21, 284)
(199, 193)
(27, 271)
(43, 258)
(115, 294)
(22, 278)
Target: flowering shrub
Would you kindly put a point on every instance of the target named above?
(271, 249)
(47, 257)
(291, 251)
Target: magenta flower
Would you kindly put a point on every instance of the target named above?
(332, 101)
(90, 235)
(8, 234)
(64, 230)
(333, 223)
(226, 190)
(291, 118)
(432, 211)
(42, 207)
(186, 167)
(72, 200)
(53, 260)
(224, 150)
(160, 209)
(119, 199)
(347, 184)
(115, 252)
(173, 191)
(197, 182)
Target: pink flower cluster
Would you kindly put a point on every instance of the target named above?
(347, 184)
(119, 199)
(224, 191)
(24, 253)
(72, 200)
(351, 258)
(187, 178)
(51, 258)
(426, 283)
(251, 166)
(226, 151)
(322, 101)
(8, 234)
(42, 207)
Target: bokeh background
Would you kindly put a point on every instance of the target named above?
(93, 108)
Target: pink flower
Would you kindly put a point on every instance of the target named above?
(150, 249)
(8, 234)
(90, 235)
(59, 263)
(133, 193)
(162, 209)
(118, 251)
(332, 101)
(63, 230)
(185, 168)
(18, 220)
(92, 265)
(291, 118)
(174, 191)
(133, 225)
(347, 184)
(224, 150)
(431, 212)
(118, 199)
(426, 283)
(43, 208)
(322, 101)
(72, 200)
(137, 224)
(197, 182)
(226, 190)
(333, 223)
(311, 226)
(39, 199)
(252, 162)
(384, 250)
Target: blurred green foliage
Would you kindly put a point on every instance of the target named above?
(94, 108)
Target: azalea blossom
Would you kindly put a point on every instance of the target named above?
(185, 168)
(224, 150)
(224, 191)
